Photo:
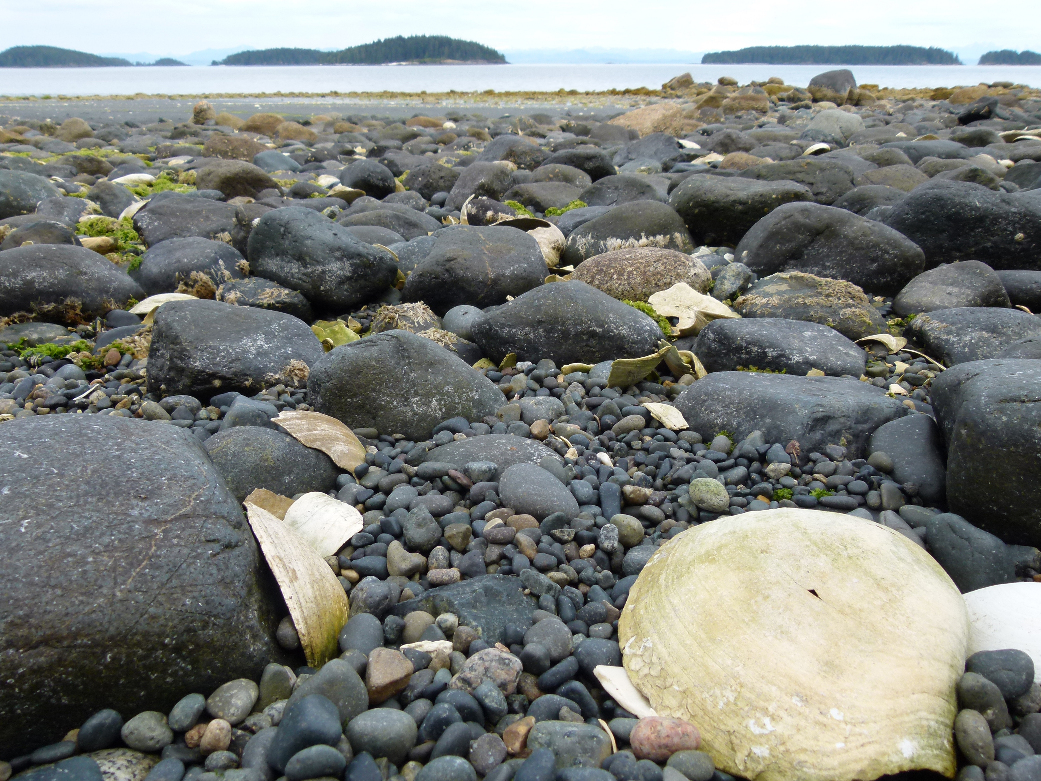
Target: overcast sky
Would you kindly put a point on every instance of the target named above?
(183, 26)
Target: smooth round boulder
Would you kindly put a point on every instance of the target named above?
(615, 190)
(567, 322)
(43, 232)
(400, 382)
(265, 294)
(251, 457)
(178, 215)
(167, 264)
(64, 282)
(636, 274)
(964, 334)
(407, 223)
(369, 176)
(634, 224)
(383, 732)
(234, 179)
(155, 525)
(1023, 288)
(305, 251)
(477, 266)
(200, 348)
(21, 191)
(964, 283)
(531, 490)
(871, 702)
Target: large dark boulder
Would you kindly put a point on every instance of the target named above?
(861, 200)
(566, 322)
(200, 348)
(62, 281)
(539, 196)
(163, 595)
(431, 179)
(305, 251)
(972, 557)
(234, 178)
(480, 180)
(991, 420)
(814, 411)
(1023, 288)
(265, 294)
(42, 232)
(720, 210)
(479, 266)
(407, 223)
(917, 151)
(797, 296)
(369, 176)
(503, 450)
(615, 190)
(177, 216)
(961, 221)
(20, 192)
(173, 261)
(633, 224)
(594, 162)
(828, 180)
(915, 447)
(830, 242)
(397, 382)
(779, 345)
(251, 457)
(968, 334)
(961, 284)
(834, 86)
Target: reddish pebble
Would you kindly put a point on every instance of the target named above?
(657, 738)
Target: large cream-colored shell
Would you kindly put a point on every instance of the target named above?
(804, 645)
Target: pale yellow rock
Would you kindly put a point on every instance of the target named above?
(804, 645)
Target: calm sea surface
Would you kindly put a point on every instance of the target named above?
(462, 78)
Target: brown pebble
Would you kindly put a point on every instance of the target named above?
(519, 522)
(528, 685)
(444, 577)
(540, 430)
(217, 737)
(112, 357)
(193, 736)
(387, 673)
(464, 635)
(5, 771)
(526, 545)
(659, 737)
(516, 735)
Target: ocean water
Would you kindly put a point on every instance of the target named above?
(462, 78)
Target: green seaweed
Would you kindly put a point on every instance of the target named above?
(781, 494)
(647, 309)
(820, 493)
(520, 209)
(553, 211)
(50, 349)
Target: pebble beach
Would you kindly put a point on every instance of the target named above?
(433, 440)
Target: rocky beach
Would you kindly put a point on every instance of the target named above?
(677, 435)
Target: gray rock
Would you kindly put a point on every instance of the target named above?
(973, 737)
(1023, 288)
(233, 701)
(566, 322)
(143, 478)
(174, 261)
(861, 200)
(245, 411)
(304, 251)
(1011, 670)
(421, 532)
(185, 714)
(407, 223)
(532, 490)
(63, 282)
(828, 180)
(234, 179)
(203, 347)
(449, 768)
(720, 210)
(20, 192)
(833, 86)
(479, 266)
(977, 693)
(480, 179)
(553, 635)
(340, 684)
(972, 557)
(502, 450)
(487, 603)
(179, 216)
(272, 160)
(832, 243)
(779, 345)
(399, 382)
(915, 449)
(370, 176)
(637, 273)
(695, 765)
(815, 411)
(709, 494)
(363, 633)
(968, 283)
(634, 224)
(972, 333)
(797, 296)
(573, 745)
(383, 732)
(251, 457)
(147, 731)
(430, 179)
(540, 408)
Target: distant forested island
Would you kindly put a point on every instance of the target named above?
(415, 48)
(53, 57)
(834, 55)
(1009, 57)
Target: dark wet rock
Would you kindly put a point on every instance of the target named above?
(503, 450)
(180, 216)
(862, 199)
(234, 179)
(265, 294)
(490, 180)
(956, 221)
(815, 411)
(972, 557)
(174, 261)
(830, 242)
(797, 296)
(779, 345)
(971, 333)
(66, 282)
(203, 347)
(304, 251)
(407, 224)
(430, 179)
(622, 188)
(828, 180)
(540, 196)
(397, 381)
(720, 210)
(1023, 288)
(635, 224)
(487, 603)
(20, 192)
(42, 232)
(833, 86)
(369, 176)
(964, 284)
(155, 527)
(989, 416)
(566, 322)
(594, 162)
(251, 457)
(479, 266)
(915, 448)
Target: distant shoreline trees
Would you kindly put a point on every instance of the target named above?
(1010, 57)
(54, 57)
(415, 48)
(833, 55)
